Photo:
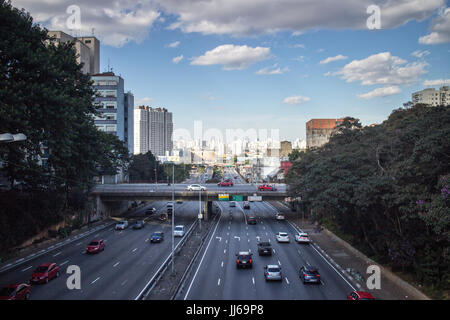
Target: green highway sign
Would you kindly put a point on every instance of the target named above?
(238, 198)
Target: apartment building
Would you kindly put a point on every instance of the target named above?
(432, 97)
(153, 130)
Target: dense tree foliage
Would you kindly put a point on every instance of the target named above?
(387, 188)
(45, 95)
(145, 168)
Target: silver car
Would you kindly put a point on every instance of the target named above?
(272, 272)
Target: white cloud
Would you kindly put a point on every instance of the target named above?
(299, 45)
(114, 23)
(272, 70)
(294, 100)
(320, 50)
(380, 92)
(438, 82)
(173, 44)
(237, 17)
(232, 57)
(143, 101)
(382, 68)
(440, 29)
(420, 53)
(177, 59)
(299, 58)
(331, 59)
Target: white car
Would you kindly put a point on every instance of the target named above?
(232, 204)
(196, 187)
(121, 225)
(280, 216)
(282, 237)
(302, 238)
(178, 231)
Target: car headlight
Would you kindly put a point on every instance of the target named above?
(42, 277)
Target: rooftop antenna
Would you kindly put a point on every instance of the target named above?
(93, 31)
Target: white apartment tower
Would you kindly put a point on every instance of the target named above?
(432, 97)
(153, 130)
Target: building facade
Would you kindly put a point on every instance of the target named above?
(432, 97)
(318, 131)
(86, 48)
(115, 107)
(153, 130)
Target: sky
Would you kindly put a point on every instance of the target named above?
(264, 64)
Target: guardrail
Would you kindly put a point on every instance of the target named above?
(146, 290)
(188, 269)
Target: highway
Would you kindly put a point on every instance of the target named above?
(119, 272)
(216, 276)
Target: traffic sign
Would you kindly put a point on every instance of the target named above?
(224, 197)
(238, 198)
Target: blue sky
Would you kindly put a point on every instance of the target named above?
(240, 98)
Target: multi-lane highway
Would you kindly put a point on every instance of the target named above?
(121, 271)
(216, 275)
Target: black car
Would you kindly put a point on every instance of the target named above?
(251, 220)
(138, 225)
(246, 205)
(310, 274)
(157, 237)
(244, 260)
(264, 249)
(150, 211)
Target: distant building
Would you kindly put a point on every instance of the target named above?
(86, 48)
(286, 148)
(115, 107)
(318, 131)
(153, 131)
(432, 97)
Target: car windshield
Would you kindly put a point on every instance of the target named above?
(41, 269)
(93, 243)
(243, 257)
(157, 234)
(273, 269)
(178, 228)
(138, 222)
(312, 271)
(264, 244)
(6, 292)
(282, 234)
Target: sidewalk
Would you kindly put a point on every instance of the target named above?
(347, 257)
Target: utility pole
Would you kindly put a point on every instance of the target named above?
(173, 213)
(200, 209)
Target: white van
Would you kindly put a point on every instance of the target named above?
(178, 231)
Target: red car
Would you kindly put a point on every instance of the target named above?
(95, 246)
(225, 184)
(15, 292)
(44, 273)
(360, 295)
(267, 187)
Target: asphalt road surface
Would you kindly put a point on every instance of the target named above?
(216, 276)
(119, 272)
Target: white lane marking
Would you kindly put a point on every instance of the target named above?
(116, 264)
(224, 251)
(27, 268)
(95, 280)
(266, 235)
(78, 243)
(134, 249)
(204, 254)
(123, 283)
(248, 240)
(287, 281)
(228, 227)
(64, 263)
(57, 254)
(274, 251)
(226, 241)
(218, 282)
(146, 240)
(253, 280)
(221, 264)
(228, 233)
(220, 238)
(279, 262)
(236, 237)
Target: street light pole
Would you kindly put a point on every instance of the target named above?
(173, 213)
(200, 209)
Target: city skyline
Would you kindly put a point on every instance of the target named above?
(273, 74)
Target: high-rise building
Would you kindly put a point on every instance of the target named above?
(115, 107)
(155, 130)
(86, 48)
(432, 97)
(318, 131)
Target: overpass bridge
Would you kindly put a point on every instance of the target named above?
(113, 198)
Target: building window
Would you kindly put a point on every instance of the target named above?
(87, 41)
(111, 127)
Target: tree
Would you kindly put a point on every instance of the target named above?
(142, 168)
